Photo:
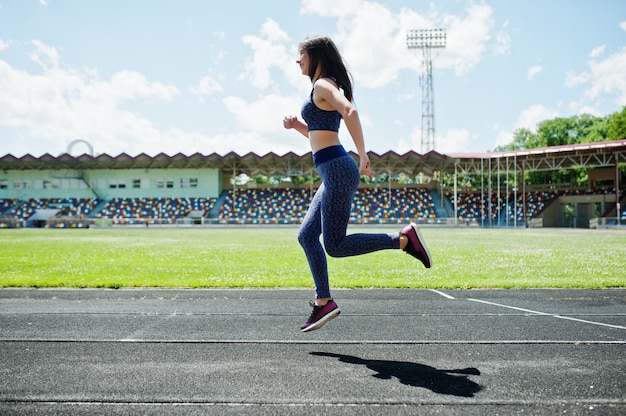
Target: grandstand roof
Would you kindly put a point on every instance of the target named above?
(544, 158)
(291, 164)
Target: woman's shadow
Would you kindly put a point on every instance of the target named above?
(453, 382)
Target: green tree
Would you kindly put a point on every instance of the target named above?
(598, 132)
(522, 139)
(572, 130)
(261, 179)
(616, 125)
(304, 179)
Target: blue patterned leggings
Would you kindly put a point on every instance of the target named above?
(328, 215)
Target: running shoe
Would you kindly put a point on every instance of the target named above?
(416, 246)
(320, 316)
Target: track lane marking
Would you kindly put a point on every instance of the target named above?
(313, 342)
(445, 295)
(548, 314)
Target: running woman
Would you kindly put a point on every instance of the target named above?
(329, 212)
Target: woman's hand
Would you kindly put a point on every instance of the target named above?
(364, 166)
(292, 122)
(289, 122)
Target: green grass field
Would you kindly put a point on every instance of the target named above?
(226, 257)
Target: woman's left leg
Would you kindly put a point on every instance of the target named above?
(341, 180)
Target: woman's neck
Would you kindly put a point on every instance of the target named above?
(318, 75)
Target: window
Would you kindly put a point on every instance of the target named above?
(188, 182)
(136, 183)
(4, 184)
(21, 184)
(170, 183)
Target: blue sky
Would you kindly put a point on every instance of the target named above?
(187, 76)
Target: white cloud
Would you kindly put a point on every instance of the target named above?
(330, 7)
(44, 54)
(269, 51)
(374, 56)
(468, 36)
(57, 106)
(206, 86)
(605, 77)
(244, 142)
(272, 31)
(503, 40)
(411, 143)
(262, 123)
(529, 118)
(3, 45)
(264, 115)
(609, 77)
(597, 51)
(455, 140)
(503, 137)
(622, 25)
(534, 70)
(132, 85)
(572, 80)
(579, 108)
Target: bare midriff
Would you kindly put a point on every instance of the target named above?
(321, 139)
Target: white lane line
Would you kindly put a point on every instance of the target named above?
(445, 295)
(312, 342)
(548, 314)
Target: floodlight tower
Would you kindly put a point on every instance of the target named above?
(426, 40)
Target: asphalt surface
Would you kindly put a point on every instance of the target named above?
(189, 351)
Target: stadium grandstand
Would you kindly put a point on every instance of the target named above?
(68, 191)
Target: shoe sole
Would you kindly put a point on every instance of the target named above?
(323, 321)
(423, 244)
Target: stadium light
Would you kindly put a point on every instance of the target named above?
(427, 39)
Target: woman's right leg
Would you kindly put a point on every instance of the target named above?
(309, 239)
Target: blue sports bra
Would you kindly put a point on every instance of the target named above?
(318, 119)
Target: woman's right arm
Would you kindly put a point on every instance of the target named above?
(292, 122)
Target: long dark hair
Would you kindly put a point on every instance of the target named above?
(323, 54)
